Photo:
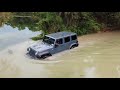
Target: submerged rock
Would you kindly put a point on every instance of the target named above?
(10, 51)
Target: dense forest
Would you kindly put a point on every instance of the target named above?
(48, 22)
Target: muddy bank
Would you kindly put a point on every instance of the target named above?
(97, 56)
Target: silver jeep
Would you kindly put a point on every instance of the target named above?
(53, 43)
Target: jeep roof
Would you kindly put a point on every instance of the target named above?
(60, 34)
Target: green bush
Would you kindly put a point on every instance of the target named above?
(39, 37)
(79, 22)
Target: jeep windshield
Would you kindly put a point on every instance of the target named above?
(48, 40)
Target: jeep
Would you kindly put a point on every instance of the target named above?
(53, 43)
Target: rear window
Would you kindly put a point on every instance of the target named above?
(74, 37)
(67, 39)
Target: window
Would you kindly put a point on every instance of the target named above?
(74, 37)
(59, 41)
(67, 39)
(48, 40)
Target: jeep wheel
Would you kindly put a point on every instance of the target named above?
(45, 56)
(72, 47)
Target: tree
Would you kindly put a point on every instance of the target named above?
(78, 22)
(4, 17)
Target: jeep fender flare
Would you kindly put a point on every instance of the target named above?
(44, 53)
(72, 45)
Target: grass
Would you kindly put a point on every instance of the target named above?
(39, 37)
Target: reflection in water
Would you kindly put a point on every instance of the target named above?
(90, 72)
(118, 70)
(88, 59)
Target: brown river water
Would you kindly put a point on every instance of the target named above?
(98, 56)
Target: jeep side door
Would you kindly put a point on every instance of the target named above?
(59, 45)
(67, 42)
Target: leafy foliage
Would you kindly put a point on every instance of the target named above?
(78, 22)
(4, 17)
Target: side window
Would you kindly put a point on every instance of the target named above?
(67, 39)
(59, 41)
(74, 37)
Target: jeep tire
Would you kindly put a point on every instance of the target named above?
(73, 46)
(46, 55)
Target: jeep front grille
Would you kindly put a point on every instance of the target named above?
(32, 52)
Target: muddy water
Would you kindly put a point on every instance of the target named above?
(11, 36)
(98, 56)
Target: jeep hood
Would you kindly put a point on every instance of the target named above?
(41, 47)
